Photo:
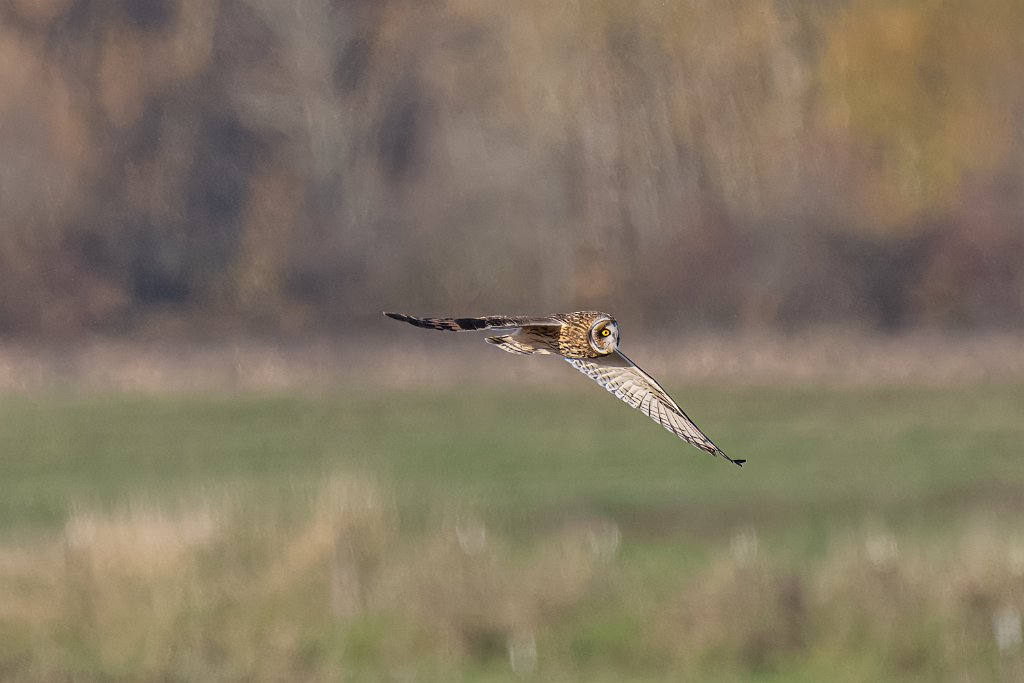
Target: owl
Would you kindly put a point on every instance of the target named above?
(589, 341)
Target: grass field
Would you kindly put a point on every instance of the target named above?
(876, 533)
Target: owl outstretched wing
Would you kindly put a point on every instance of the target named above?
(622, 377)
(523, 335)
(483, 323)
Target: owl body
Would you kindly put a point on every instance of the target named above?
(587, 340)
(569, 339)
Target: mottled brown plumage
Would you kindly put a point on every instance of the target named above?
(563, 334)
(588, 340)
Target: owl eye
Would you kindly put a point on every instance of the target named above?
(605, 332)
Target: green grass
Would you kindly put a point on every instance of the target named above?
(940, 470)
(904, 454)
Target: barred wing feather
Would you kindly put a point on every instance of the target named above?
(624, 379)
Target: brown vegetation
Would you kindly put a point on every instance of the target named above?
(285, 166)
(836, 358)
(234, 591)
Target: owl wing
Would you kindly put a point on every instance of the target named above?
(523, 335)
(483, 323)
(622, 377)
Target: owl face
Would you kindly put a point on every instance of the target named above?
(604, 335)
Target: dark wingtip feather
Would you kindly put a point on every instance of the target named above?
(406, 319)
(445, 324)
(735, 461)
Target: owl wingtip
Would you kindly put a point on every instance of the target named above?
(735, 461)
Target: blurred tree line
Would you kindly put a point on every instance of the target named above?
(277, 165)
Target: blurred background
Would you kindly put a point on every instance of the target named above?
(291, 166)
(219, 462)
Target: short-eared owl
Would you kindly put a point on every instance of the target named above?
(589, 341)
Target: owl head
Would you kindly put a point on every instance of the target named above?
(604, 335)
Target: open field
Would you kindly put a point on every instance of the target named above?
(876, 533)
(381, 356)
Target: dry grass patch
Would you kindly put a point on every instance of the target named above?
(332, 586)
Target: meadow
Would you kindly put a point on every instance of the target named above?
(491, 534)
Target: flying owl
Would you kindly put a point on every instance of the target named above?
(589, 341)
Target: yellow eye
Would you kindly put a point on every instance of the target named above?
(605, 332)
